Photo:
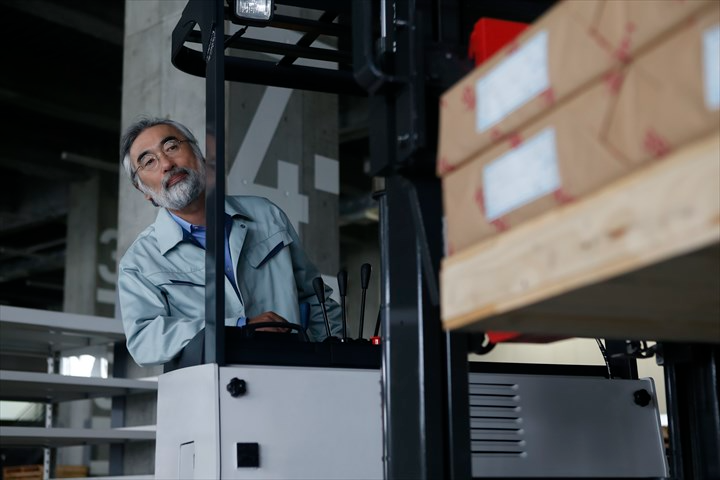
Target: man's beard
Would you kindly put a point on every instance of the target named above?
(181, 194)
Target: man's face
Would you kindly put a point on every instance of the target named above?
(172, 175)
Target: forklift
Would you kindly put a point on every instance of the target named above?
(239, 404)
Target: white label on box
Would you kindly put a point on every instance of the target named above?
(522, 175)
(711, 60)
(514, 81)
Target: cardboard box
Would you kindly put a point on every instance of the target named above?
(633, 114)
(548, 61)
(554, 160)
(629, 26)
(671, 94)
(571, 46)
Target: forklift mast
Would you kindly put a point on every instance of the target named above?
(401, 55)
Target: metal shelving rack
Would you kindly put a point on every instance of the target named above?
(46, 334)
(403, 54)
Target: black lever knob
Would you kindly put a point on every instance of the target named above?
(342, 287)
(342, 277)
(319, 287)
(365, 271)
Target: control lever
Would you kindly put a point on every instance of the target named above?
(365, 270)
(342, 287)
(319, 287)
(377, 324)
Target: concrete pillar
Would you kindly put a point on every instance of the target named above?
(287, 146)
(89, 289)
(90, 275)
(151, 86)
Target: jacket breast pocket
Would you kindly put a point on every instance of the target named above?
(184, 292)
(166, 280)
(187, 283)
(261, 253)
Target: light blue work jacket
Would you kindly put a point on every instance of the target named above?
(161, 280)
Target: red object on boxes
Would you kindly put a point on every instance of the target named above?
(515, 337)
(489, 35)
(497, 337)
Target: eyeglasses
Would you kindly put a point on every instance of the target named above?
(150, 161)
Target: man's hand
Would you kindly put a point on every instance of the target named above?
(269, 317)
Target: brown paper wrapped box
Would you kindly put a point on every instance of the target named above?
(547, 62)
(571, 46)
(559, 158)
(631, 25)
(665, 100)
(632, 115)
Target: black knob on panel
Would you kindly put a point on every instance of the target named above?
(237, 387)
(642, 397)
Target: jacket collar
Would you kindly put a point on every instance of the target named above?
(169, 233)
(235, 210)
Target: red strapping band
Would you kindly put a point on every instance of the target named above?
(468, 97)
(480, 200)
(500, 224)
(622, 53)
(614, 81)
(445, 166)
(562, 197)
(515, 140)
(655, 144)
(548, 95)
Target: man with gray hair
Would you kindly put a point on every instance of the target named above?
(161, 278)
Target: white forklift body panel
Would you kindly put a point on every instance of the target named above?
(310, 422)
(292, 422)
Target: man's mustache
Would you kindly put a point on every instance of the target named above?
(172, 173)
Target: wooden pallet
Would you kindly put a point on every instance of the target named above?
(71, 471)
(35, 472)
(23, 472)
(638, 259)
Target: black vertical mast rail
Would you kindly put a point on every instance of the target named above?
(215, 191)
(209, 17)
(692, 384)
(426, 422)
